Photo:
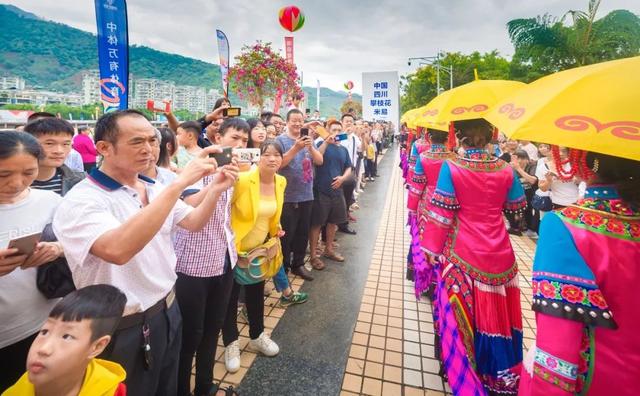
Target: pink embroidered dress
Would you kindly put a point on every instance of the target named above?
(585, 274)
(421, 189)
(419, 145)
(477, 301)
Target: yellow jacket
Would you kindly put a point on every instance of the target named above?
(102, 378)
(245, 201)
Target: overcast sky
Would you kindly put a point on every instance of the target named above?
(340, 39)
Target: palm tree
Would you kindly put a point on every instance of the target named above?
(552, 44)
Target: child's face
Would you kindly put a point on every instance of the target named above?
(62, 349)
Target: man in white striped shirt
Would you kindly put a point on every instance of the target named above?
(116, 226)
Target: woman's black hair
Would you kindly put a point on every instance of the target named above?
(621, 172)
(271, 143)
(219, 102)
(253, 122)
(436, 136)
(13, 142)
(474, 133)
(167, 137)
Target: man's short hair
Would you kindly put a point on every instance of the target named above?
(266, 115)
(192, 127)
(332, 123)
(236, 123)
(103, 305)
(49, 126)
(40, 114)
(347, 115)
(294, 111)
(107, 125)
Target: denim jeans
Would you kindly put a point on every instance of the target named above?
(281, 280)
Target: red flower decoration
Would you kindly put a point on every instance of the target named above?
(596, 298)
(572, 293)
(634, 229)
(616, 227)
(547, 289)
(571, 213)
(534, 285)
(593, 219)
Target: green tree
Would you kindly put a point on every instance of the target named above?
(548, 44)
(420, 87)
(353, 106)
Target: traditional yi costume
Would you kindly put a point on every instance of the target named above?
(584, 277)
(477, 302)
(421, 189)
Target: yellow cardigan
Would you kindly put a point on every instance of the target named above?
(245, 201)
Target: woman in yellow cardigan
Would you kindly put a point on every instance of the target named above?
(256, 207)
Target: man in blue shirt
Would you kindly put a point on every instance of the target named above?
(297, 167)
(329, 205)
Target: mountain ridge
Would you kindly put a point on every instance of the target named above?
(58, 65)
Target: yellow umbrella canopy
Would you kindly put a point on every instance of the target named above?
(408, 117)
(593, 108)
(465, 102)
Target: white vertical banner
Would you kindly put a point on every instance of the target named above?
(381, 97)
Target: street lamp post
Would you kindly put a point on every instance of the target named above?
(435, 61)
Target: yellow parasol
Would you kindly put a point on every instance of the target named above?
(593, 108)
(465, 102)
(408, 117)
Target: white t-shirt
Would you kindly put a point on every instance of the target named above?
(23, 309)
(541, 171)
(348, 144)
(99, 204)
(531, 150)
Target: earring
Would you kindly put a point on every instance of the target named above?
(596, 165)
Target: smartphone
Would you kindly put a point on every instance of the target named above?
(231, 112)
(26, 244)
(223, 158)
(248, 154)
(341, 137)
(322, 132)
(307, 111)
(157, 108)
(304, 131)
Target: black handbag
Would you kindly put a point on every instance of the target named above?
(54, 278)
(542, 204)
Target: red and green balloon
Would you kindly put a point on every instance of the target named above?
(291, 18)
(348, 85)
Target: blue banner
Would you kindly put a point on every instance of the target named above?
(223, 51)
(113, 53)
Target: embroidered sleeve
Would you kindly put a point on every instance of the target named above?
(411, 162)
(440, 217)
(416, 186)
(559, 364)
(563, 284)
(445, 195)
(516, 201)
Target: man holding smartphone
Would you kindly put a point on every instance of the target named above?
(297, 167)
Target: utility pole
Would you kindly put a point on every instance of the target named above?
(435, 61)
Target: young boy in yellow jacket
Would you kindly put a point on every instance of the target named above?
(62, 359)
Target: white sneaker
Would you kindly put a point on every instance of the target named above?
(232, 357)
(264, 345)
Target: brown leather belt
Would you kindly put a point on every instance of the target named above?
(139, 318)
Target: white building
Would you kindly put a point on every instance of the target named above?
(37, 97)
(12, 82)
(91, 87)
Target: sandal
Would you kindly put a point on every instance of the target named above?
(317, 264)
(334, 256)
